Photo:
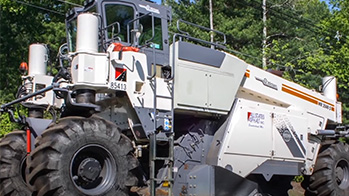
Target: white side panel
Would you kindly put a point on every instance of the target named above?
(39, 82)
(266, 87)
(192, 84)
(163, 89)
(248, 139)
(223, 85)
(290, 131)
(205, 87)
(259, 132)
(139, 88)
(315, 123)
(90, 69)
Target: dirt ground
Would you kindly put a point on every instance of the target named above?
(297, 190)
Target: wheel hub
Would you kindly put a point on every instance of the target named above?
(342, 174)
(93, 169)
(89, 169)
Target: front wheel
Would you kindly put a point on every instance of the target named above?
(331, 172)
(82, 156)
(13, 154)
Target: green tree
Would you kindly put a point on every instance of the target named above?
(331, 56)
(239, 20)
(306, 39)
(21, 24)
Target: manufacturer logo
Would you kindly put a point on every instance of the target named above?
(255, 120)
(150, 9)
(286, 135)
(267, 83)
(120, 74)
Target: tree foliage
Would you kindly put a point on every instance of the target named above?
(23, 23)
(307, 39)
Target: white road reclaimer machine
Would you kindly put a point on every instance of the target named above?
(145, 115)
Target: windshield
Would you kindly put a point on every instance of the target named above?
(121, 14)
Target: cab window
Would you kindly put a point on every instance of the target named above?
(71, 30)
(121, 14)
(147, 34)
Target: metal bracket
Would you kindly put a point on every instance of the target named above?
(73, 108)
(6, 105)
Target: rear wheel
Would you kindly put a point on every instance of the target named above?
(13, 154)
(82, 156)
(331, 172)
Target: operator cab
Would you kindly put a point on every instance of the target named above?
(137, 23)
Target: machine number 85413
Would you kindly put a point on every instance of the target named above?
(117, 85)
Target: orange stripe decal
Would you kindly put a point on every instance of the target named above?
(307, 97)
(299, 95)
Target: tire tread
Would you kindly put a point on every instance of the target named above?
(12, 152)
(45, 161)
(321, 182)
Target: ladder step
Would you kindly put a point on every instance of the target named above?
(162, 136)
(162, 180)
(164, 97)
(164, 117)
(163, 158)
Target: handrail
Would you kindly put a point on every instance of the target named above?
(153, 46)
(184, 34)
(154, 64)
(200, 27)
(112, 25)
(131, 21)
(189, 38)
(147, 41)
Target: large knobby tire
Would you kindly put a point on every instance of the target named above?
(82, 156)
(331, 172)
(13, 152)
